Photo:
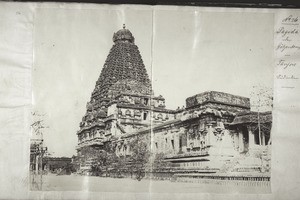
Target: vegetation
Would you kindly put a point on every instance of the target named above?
(103, 161)
(262, 101)
(106, 162)
(139, 157)
(159, 164)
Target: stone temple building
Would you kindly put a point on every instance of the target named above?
(214, 132)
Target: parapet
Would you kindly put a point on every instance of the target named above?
(218, 98)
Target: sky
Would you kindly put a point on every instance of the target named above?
(185, 53)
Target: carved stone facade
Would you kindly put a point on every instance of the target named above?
(213, 129)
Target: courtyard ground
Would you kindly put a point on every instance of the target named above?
(102, 184)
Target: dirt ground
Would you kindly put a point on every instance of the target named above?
(102, 184)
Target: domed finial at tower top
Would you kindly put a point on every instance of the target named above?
(123, 35)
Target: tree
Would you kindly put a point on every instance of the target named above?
(38, 124)
(96, 156)
(75, 163)
(37, 150)
(118, 165)
(261, 101)
(159, 164)
(103, 159)
(139, 157)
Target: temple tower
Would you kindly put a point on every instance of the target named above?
(123, 63)
(122, 101)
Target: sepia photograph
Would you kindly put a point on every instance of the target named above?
(158, 100)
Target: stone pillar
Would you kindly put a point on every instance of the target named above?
(183, 139)
(226, 144)
(241, 141)
(263, 139)
(236, 141)
(251, 138)
(210, 135)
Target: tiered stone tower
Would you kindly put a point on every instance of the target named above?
(122, 100)
(123, 63)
